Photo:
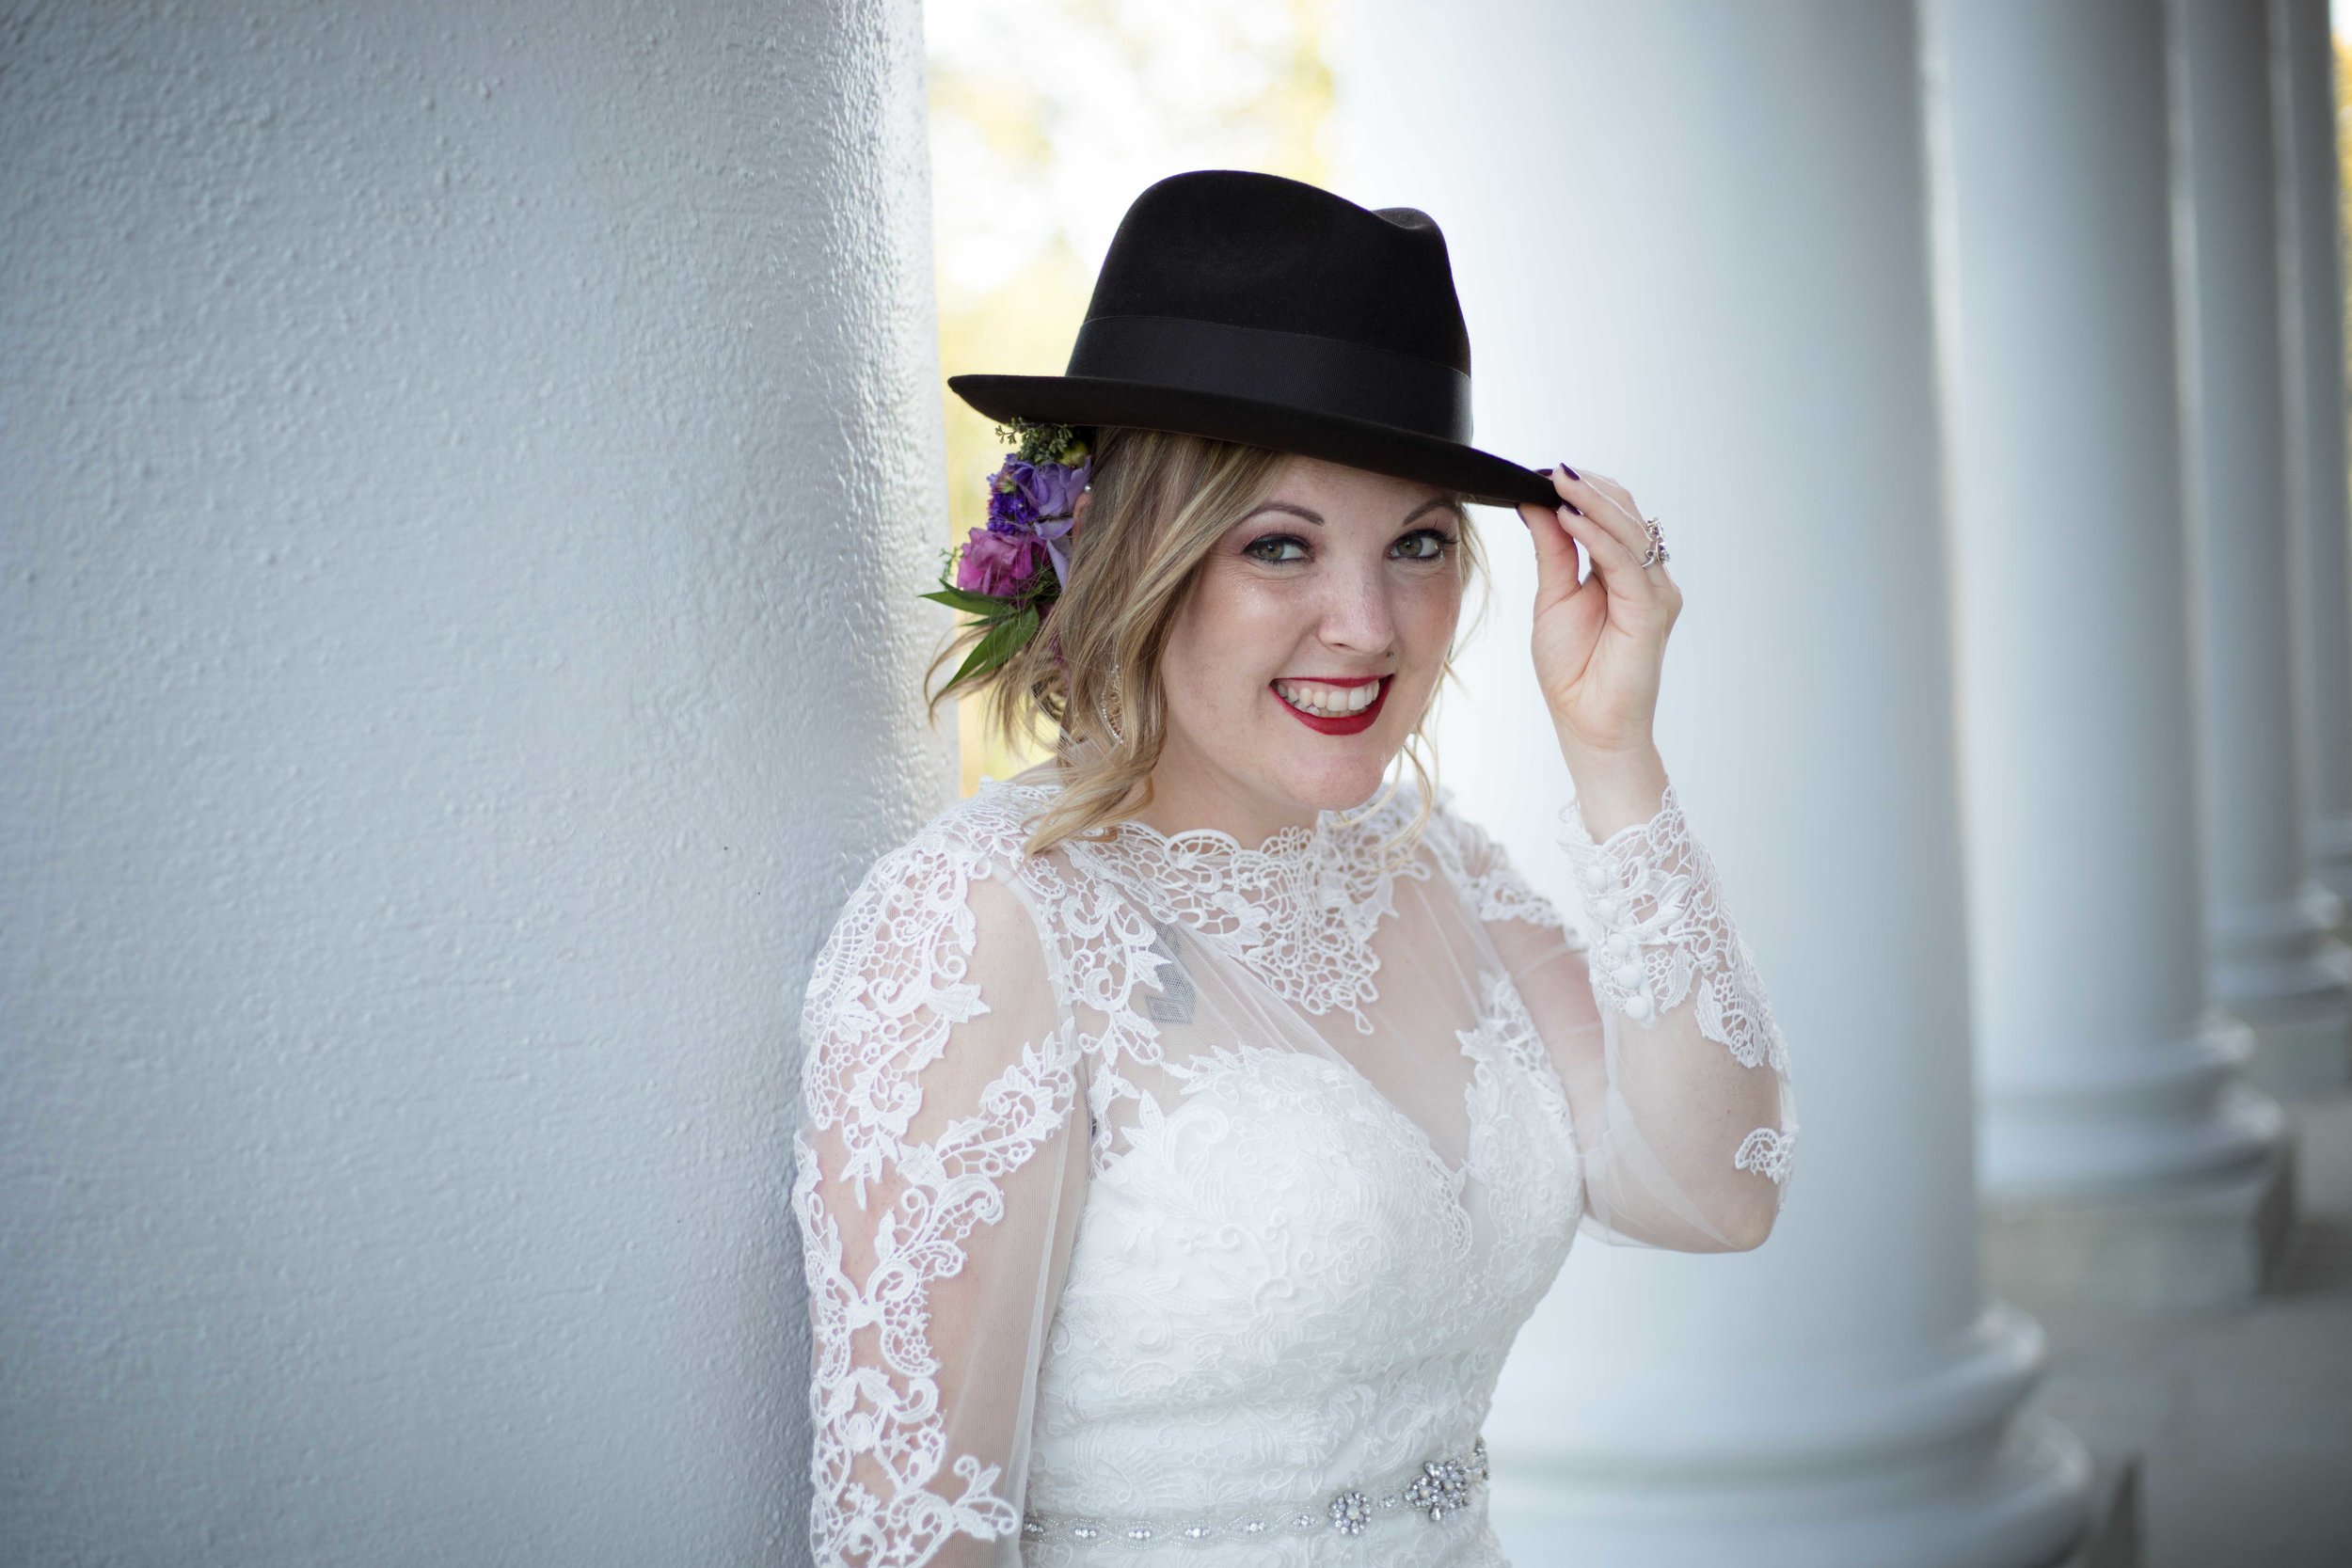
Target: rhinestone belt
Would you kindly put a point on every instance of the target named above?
(1437, 1488)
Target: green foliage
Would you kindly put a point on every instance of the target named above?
(1007, 637)
(1032, 442)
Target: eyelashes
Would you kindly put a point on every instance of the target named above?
(1288, 549)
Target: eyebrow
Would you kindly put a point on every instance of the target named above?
(1433, 503)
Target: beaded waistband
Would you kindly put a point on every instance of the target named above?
(1433, 1489)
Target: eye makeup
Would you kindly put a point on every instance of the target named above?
(1285, 548)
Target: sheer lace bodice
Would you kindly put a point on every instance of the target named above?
(1159, 1191)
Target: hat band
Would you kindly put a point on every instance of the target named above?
(1323, 375)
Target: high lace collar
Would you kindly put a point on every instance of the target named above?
(1298, 910)
(1285, 844)
(1370, 826)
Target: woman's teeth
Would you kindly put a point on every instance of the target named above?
(1328, 702)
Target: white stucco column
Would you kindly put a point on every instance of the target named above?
(2311, 234)
(2123, 1161)
(1692, 242)
(464, 476)
(2272, 960)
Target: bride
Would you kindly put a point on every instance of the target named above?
(1191, 1122)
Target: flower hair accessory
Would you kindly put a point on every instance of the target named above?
(1009, 573)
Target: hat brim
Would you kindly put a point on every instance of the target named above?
(1077, 399)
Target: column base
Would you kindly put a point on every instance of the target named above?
(2024, 1506)
(1811, 1468)
(2328, 861)
(2277, 968)
(2113, 1538)
(2296, 1055)
(2090, 1126)
(2189, 1246)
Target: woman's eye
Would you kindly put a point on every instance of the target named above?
(1422, 545)
(1276, 546)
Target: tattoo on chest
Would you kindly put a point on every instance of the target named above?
(1172, 1002)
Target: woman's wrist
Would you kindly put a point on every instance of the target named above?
(1615, 789)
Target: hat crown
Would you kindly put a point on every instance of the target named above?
(1256, 250)
(1242, 306)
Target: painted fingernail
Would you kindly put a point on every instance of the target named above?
(1571, 506)
(1570, 472)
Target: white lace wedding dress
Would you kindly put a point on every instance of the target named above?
(1165, 1199)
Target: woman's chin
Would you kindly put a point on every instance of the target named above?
(1341, 780)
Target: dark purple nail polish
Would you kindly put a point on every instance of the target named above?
(1573, 507)
(1572, 474)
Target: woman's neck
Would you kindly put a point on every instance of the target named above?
(1184, 800)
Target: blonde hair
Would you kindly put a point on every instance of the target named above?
(1160, 502)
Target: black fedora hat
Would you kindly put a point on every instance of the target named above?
(1248, 308)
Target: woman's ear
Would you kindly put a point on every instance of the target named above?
(1079, 507)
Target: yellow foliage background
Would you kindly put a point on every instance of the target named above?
(1047, 117)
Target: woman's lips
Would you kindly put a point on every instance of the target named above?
(1352, 724)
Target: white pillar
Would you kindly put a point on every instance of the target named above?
(2272, 963)
(1692, 244)
(2310, 233)
(464, 475)
(2115, 1137)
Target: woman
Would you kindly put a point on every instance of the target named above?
(1193, 1121)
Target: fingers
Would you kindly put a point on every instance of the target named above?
(1605, 502)
(1612, 531)
(1617, 567)
(1555, 552)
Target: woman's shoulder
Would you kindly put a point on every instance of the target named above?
(977, 839)
(992, 824)
(925, 904)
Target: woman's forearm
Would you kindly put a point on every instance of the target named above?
(1695, 1060)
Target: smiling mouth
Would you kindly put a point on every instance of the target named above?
(1334, 707)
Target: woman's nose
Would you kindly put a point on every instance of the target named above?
(1358, 617)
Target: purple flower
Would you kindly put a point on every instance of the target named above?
(1023, 494)
(1054, 488)
(997, 563)
(1010, 511)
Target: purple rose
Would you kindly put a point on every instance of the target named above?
(997, 564)
(1054, 489)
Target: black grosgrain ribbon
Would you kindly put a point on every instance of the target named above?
(1329, 375)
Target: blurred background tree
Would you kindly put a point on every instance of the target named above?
(1048, 117)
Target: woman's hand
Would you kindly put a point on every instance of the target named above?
(1601, 644)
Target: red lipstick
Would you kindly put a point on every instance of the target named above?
(1353, 724)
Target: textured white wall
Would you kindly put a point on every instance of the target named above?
(465, 473)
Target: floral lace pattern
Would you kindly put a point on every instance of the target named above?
(1654, 907)
(1299, 912)
(1275, 1284)
(1771, 1154)
(885, 989)
(1654, 911)
(1393, 1320)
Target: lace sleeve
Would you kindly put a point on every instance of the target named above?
(937, 1185)
(1655, 1016)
